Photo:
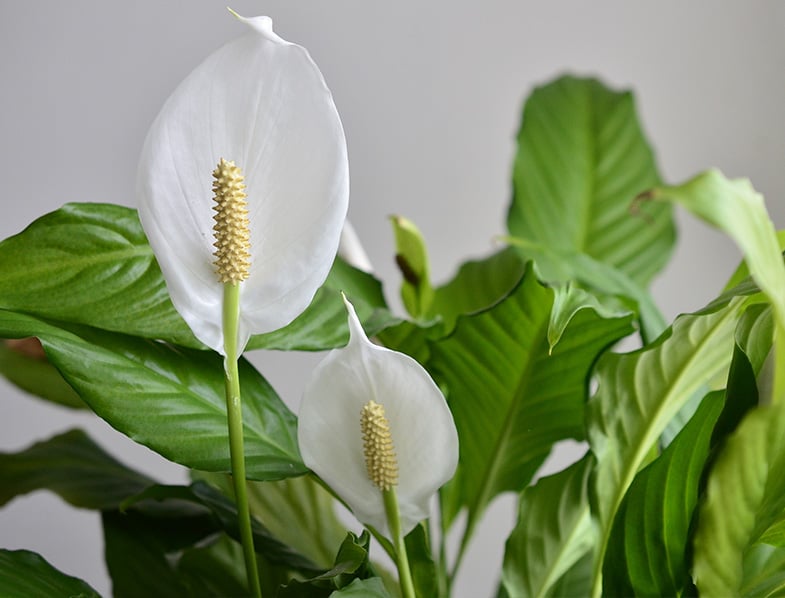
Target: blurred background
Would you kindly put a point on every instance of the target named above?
(430, 94)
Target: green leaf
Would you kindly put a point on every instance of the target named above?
(510, 398)
(364, 588)
(638, 394)
(138, 547)
(412, 259)
(214, 569)
(91, 264)
(297, 511)
(351, 563)
(554, 531)
(764, 571)
(35, 375)
(169, 399)
(477, 285)
(747, 481)
(736, 208)
(647, 550)
(323, 324)
(24, 574)
(224, 513)
(423, 568)
(582, 159)
(72, 466)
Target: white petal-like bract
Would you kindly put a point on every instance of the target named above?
(422, 428)
(261, 102)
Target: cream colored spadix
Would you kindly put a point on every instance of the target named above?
(423, 442)
(262, 103)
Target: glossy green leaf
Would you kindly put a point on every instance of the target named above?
(36, 376)
(582, 159)
(24, 573)
(553, 532)
(214, 569)
(91, 264)
(323, 325)
(648, 548)
(169, 399)
(747, 481)
(510, 398)
(72, 466)
(638, 394)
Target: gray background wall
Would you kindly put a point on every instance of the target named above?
(430, 96)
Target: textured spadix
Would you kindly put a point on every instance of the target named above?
(262, 103)
(421, 428)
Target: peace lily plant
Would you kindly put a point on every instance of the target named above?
(415, 424)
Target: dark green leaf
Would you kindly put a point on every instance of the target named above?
(91, 264)
(764, 571)
(297, 511)
(648, 548)
(224, 514)
(554, 532)
(24, 574)
(169, 399)
(364, 588)
(511, 399)
(37, 376)
(72, 466)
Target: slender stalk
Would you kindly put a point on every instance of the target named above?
(231, 316)
(401, 559)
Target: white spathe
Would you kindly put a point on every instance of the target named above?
(422, 428)
(261, 102)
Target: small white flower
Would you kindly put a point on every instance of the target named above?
(422, 430)
(260, 102)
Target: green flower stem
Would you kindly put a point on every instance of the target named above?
(401, 559)
(234, 412)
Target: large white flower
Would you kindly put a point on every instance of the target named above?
(423, 434)
(262, 103)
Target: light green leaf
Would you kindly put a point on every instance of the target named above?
(554, 531)
(747, 481)
(568, 301)
(35, 375)
(24, 574)
(91, 264)
(169, 399)
(736, 208)
(511, 400)
(647, 550)
(764, 571)
(72, 466)
(412, 259)
(582, 159)
(638, 394)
